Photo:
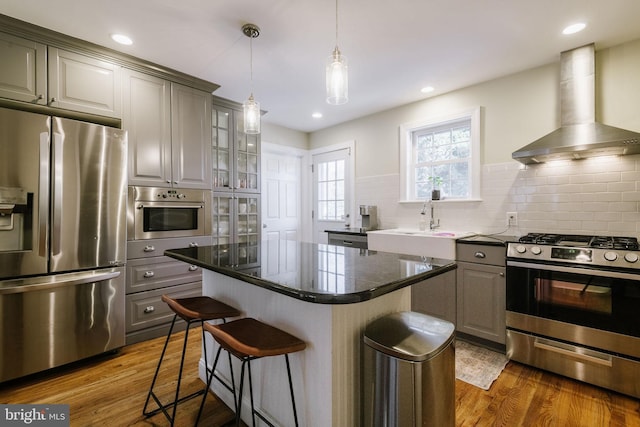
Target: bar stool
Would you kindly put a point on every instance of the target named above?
(191, 310)
(249, 339)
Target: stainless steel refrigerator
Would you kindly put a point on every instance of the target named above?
(62, 241)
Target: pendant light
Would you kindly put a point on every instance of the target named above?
(251, 107)
(337, 74)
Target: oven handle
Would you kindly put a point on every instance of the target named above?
(604, 361)
(562, 269)
(170, 205)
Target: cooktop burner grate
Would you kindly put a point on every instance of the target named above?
(603, 242)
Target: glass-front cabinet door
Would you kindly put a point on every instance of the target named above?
(247, 159)
(222, 151)
(236, 219)
(235, 154)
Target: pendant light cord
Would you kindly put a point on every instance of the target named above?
(336, 23)
(251, 63)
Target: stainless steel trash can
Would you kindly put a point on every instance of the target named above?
(409, 371)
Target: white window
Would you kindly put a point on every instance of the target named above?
(441, 154)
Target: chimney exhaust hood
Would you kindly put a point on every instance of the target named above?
(579, 136)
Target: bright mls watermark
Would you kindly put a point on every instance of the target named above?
(34, 415)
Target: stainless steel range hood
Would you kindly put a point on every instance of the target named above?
(579, 136)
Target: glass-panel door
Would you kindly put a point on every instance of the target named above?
(221, 149)
(247, 162)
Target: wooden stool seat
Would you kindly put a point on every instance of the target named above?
(191, 310)
(249, 339)
(200, 308)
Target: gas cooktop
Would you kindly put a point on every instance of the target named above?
(581, 241)
(596, 251)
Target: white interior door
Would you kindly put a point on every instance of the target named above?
(281, 195)
(332, 191)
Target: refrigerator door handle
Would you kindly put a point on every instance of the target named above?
(43, 194)
(58, 139)
(18, 286)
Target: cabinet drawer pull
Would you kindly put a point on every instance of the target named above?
(149, 248)
(480, 255)
(193, 267)
(148, 274)
(149, 309)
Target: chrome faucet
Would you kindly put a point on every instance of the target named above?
(433, 224)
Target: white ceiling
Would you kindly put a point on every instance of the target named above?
(394, 48)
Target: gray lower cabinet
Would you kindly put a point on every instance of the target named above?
(169, 128)
(436, 296)
(44, 75)
(481, 291)
(150, 274)
(347, 240)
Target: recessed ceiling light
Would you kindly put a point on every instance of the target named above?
(317, 115)
(427, 89)
(122, 39)
(574, 28)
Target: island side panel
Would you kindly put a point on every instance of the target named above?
(349, 322)
(311, 369)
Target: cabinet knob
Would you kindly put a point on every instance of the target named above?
(193, 267)
(148, 274)
(40, 97)
(501, 274)
(193, 244)
(52, 100)
(149, 248)
(149, 309)
(480, 255)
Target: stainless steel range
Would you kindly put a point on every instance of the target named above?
(573, 305)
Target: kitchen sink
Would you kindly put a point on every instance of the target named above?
(429, 243)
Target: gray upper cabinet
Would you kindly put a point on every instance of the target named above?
(190, 137)
(23, 76)
(81, 83)
(169, 129)
(37, 74)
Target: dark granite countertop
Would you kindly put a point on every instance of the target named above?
(350, 231)
(488, 239)
(317, 273)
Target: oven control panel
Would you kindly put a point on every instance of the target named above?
(575, 255)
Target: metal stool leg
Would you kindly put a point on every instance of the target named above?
(293, 400)
(253, 409)
(210, 374)
(239, 404)
(177, 399)
(155, 376)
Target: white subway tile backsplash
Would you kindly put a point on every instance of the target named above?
(587, 196)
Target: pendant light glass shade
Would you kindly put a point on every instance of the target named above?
(251, 108)
(337, 78)
(251, 116)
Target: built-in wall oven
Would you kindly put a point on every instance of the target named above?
(573, 307)
(159, 213)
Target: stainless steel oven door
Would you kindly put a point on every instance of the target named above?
(157, 220)
(542, 299)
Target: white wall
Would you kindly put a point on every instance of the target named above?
(276, 134)
(577, 197)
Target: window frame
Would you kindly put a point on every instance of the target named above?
(407, 172)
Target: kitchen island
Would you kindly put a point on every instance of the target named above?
(323, 294)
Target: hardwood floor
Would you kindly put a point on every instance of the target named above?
(110, 391)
